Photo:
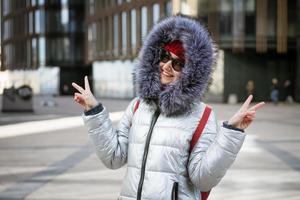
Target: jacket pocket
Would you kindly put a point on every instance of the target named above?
(175, 191)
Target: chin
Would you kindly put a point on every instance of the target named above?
(165, 82)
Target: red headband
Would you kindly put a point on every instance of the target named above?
(176, 48)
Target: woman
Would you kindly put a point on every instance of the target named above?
(175, 66)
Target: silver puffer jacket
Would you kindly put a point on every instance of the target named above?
(156, 151)
(155, 140)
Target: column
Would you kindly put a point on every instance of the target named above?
(261, 25)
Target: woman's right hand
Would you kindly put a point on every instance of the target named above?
(85, 97)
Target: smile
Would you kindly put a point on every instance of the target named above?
(166, 74)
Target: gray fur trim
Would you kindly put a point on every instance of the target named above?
(179, 96)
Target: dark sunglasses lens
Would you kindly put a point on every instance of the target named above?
(164, 56)
(177, 65)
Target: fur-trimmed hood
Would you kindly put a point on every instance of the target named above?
(179, 96)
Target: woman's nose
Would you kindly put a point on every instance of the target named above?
(167, 66)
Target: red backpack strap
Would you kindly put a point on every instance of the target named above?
(200, 127)
(204, 195)
(136, 106)
(196, 136)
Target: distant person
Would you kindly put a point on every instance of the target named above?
(250, 87)
(274, 91)
(65, 89)
(288, 91)
(155, 137)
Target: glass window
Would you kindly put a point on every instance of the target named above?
(33, 2)
(28, 2)
(133, 28)
(34, 51)
(42, 21)
(116, 40)
(73, 26)
(226, 17)
(124, 33)
(272, 14)
(37, 21)
(42, 51)
(6, 54)
(64, 15)
(5, 6)
(203, 10)
(7, 29)
(168, 8)
(92, 32)
(156, 13)
(250, 21)
(144, 22)
(59, 53)
(28, 57)
(30, 21)
(41, 2)
(91, 7)
(66, 49)
(292, 18)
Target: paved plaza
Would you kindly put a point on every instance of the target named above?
(46, 155)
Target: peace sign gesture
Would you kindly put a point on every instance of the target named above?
(245, 115)
(85, 97)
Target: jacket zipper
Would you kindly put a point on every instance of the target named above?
(175, 191)
(141, 182)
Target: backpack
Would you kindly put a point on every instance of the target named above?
(196, 136)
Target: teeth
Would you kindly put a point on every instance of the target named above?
(167, 74)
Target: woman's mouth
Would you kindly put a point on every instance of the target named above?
(166, 74)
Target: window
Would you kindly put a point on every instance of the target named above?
(64, 15)
(30, 22)
(66, 49)
(226, 17)
(156, 10)
(250, 21)
(41, 2)
(33, 2)
(91, 7)
(42, 51)
(116, 40)
(124, 32)
(168, 8)
(37, 22)
(6, 6)
(34, 51)
(133, 29)
(144, 22)
(272, 19)
(28, 57)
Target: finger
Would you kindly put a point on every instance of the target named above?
(257, 106)
(245, 113)
(250, 116)
(250, 112)
(86, 83)
(249, 119)
(247, 102)
(80, 89)
(79, 96)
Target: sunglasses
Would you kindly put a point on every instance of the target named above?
(165, 57)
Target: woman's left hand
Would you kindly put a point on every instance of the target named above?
(245, 115)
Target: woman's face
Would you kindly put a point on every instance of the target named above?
(167, 72)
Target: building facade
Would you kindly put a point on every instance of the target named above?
(115, 32)
(258, 40)
(44, 33)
